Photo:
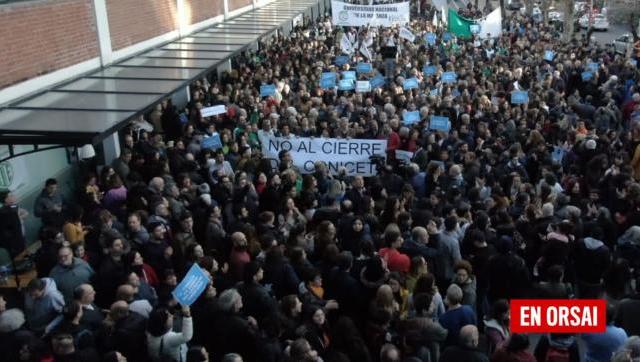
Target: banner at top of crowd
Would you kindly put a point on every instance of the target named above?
(385, 15)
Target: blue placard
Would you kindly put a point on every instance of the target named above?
(212, 142)
(587, 75)
(429, 70)
(430, 38)
(411, 83)
(329, 75)
(267, 90)
(183, 118)
(346, 85)
(364, 68)
(519, 97)
(342, 60)
(474, 28)
(593, 67)
(447, 36)
(440, 123)
(448, 77)
(633, 62)
(549, 55)
(377, 81)
(349, 74)
(434, 92)
(455, 93)
(191, 286)
(411, 117)
(327, 83)
(558, 154)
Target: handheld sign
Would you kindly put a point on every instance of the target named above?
(327, 83)
(190, 288)
(349, 74)
(267, 90)
(455, 93)
(549, 55)
(404, 156)
(411, 117)
(448, 77)
(407, 34)
(633, 62)
(430, 38)
(213, 111)
(440, 123)
(346, 85)
(329, 75)
(377, 81)
(593, 67)
(447, 36)
(411, 83)
(363, 86)
(429, 70)
(587, 75)
(342, 60)
(519, 97)
(364, 68)
(434, 92)
(474, 28)
(212, 142)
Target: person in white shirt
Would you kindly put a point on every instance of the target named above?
(162, 341)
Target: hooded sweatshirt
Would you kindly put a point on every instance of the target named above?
(41, 311)
(591, 259)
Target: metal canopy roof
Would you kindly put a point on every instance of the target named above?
(91, 107)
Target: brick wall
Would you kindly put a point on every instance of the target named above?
(237, 4)
(200, 10)
(134, 21)
(40, 37)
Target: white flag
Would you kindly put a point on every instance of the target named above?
(444, 15)
(491, 26)
(345, 44)
(365, 52)
(407, 34)
(434, 22)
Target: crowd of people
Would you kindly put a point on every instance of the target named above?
(417, 263)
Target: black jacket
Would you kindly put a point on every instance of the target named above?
(459, 353)
(11, 237)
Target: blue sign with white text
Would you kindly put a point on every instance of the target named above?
(191, 286)
(267, 90)
(587, 75)
(434, 92)
(364, 68)
(430, 38)
(349, 74)
(342, 60)
(347, 85)
(327, 83)
(549, 55)
(440, 123)
(411, 83)
(448, 77)
(377, 81)
(212, 142)
(429, 70)
(411, 117)
(519, 97)
(447, 36)
(593, 67)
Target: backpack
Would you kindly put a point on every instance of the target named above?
(557, 354)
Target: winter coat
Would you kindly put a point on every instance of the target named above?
(67, 278)
(591, 259)
(42, 311)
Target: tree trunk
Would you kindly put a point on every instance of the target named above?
(568, 20)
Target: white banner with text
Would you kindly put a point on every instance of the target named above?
(374, 15)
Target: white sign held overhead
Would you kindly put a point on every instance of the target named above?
(352, 154)
(345, 44)
(407, 34)
(213, 111)
(385, 15)
(491, 26)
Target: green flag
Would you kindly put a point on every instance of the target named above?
(459, 25)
